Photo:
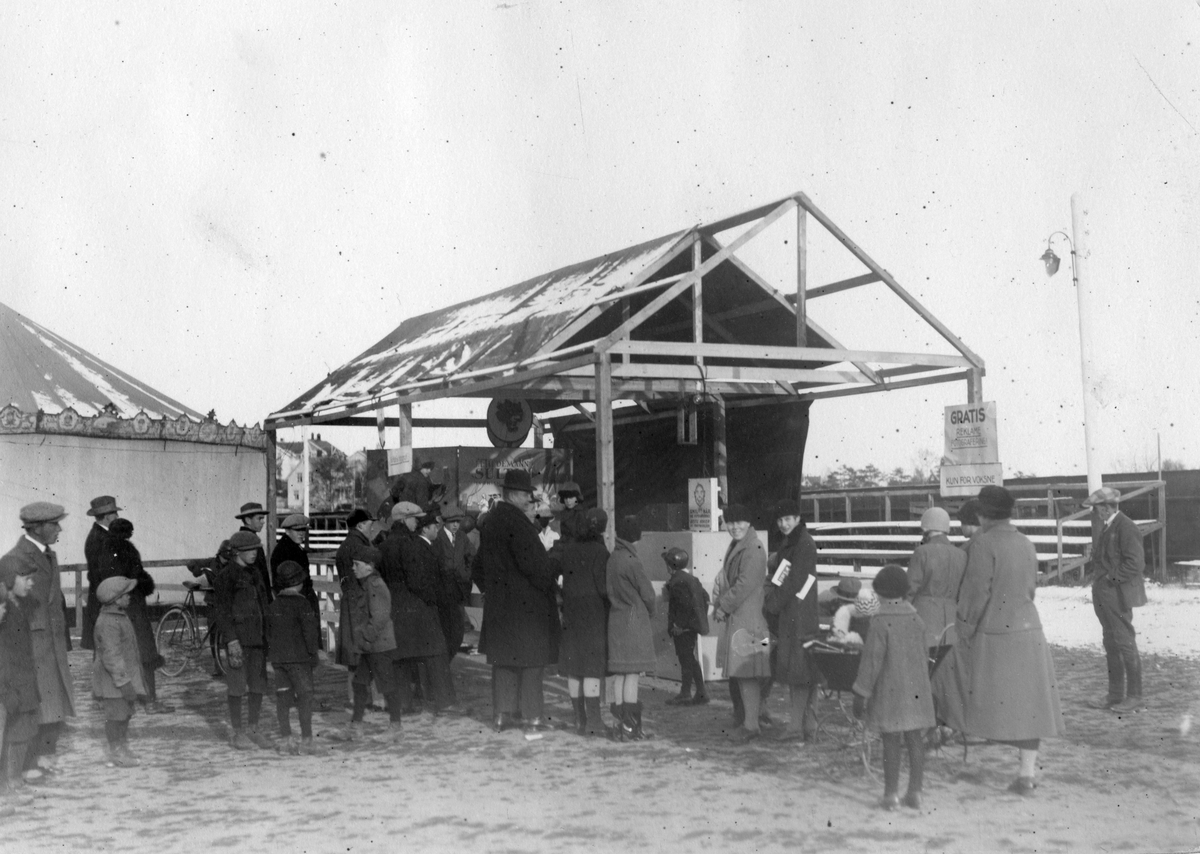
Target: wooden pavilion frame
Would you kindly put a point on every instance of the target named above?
(684, 317)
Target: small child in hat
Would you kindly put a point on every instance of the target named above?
(293, 635)
(117, 668)
(19, 699)
(892, 686)
(853, 618)
(369, 641)
(687, 619)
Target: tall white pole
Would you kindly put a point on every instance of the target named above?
(1085, 296)
(304, 456)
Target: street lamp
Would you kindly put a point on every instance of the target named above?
(1051, 260)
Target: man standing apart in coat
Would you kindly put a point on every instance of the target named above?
(253, 516)
(104, 511)
(1118, 588)
(48, 628)
(520, 617)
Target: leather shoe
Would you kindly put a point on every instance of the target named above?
(1022, 786)
(700, 700)
(680, 700)
(890, 802)
(912, 800)
(1105, 703)
(1129, 705)
(741, 735)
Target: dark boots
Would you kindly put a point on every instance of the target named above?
(627, 722)
(593, 720)
(621, 729)
(633, 714)
(580, 715)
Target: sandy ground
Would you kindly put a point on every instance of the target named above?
(1114, 784)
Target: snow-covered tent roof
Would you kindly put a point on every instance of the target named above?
(49, 385)
(681, 314)
(42, 370)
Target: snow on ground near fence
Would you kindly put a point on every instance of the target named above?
(1167, 625)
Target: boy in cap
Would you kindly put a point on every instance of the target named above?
(369, 640)
(892, 686)
(240, 615)
(117, 668)
(292, 635)
(687, 619)
(253, 516)
(18, 681)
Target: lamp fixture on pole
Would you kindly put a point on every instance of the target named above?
(1082, 291)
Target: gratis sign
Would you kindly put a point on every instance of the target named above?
(971, 459)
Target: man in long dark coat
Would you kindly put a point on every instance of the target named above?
(1119, 586)
(291, 547)
(48, 630)
(104, 511)
(455, 553)
(520, 618)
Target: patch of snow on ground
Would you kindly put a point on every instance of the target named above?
(1167, 624)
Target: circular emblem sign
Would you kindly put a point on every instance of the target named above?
(508, 421)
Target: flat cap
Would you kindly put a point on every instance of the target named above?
(112, 589)
(41, 511)
(406, 510)
(296, 521)
(243, 541)
(1103, 495)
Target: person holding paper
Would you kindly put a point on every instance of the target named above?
(792, 590)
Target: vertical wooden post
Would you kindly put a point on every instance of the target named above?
(801, 276)
(697, 302)
(79, 601)
(887, 508)
(539, 433)
(848, 514)
(975, 386)
(306, 471)
(272, 511)
(816, 510)
(720, 451)
(605, 471)
(1162, 532)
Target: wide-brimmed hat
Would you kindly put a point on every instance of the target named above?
(296, 522)
(406, 510)
(113, 588)
(41, 511)
(250, 508)
(996, 502)
(103, 505)
(891, 582)
(243, 541)
(848, 589)
(289, 574)
(935, 519)
(1103, 495)
(518, 480)
(452, 513)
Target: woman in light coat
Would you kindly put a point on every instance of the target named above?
(934, 576)
(1002, 685)
(743, 650)
(630, 638)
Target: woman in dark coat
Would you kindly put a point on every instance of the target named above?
(630, 637)
(798, 618)
(1002, 685)
(120, 557)
(583, 656)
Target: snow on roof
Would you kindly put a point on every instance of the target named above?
(41, 370)
(497, 329)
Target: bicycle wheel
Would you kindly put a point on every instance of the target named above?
(220, 653)
(176, 639)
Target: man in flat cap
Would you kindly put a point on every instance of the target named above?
(521, 631)
(104, 511)
(292, 533)
(1119, 586)
(253, 516)
(48, 630)
(455, 553)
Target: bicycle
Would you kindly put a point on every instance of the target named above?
(178, 636)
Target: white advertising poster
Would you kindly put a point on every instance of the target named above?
(971, 434)
(966, 481)
(399, 461)
(703, 514)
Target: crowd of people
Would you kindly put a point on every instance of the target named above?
(570, 602)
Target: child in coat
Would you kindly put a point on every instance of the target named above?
(293, 637)
(19, 699)
(687, 619)
(117, 668)
(372, 642)
(893, 685)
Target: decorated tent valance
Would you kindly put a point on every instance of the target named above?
(141, 426)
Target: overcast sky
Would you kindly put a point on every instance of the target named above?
(228, 200)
